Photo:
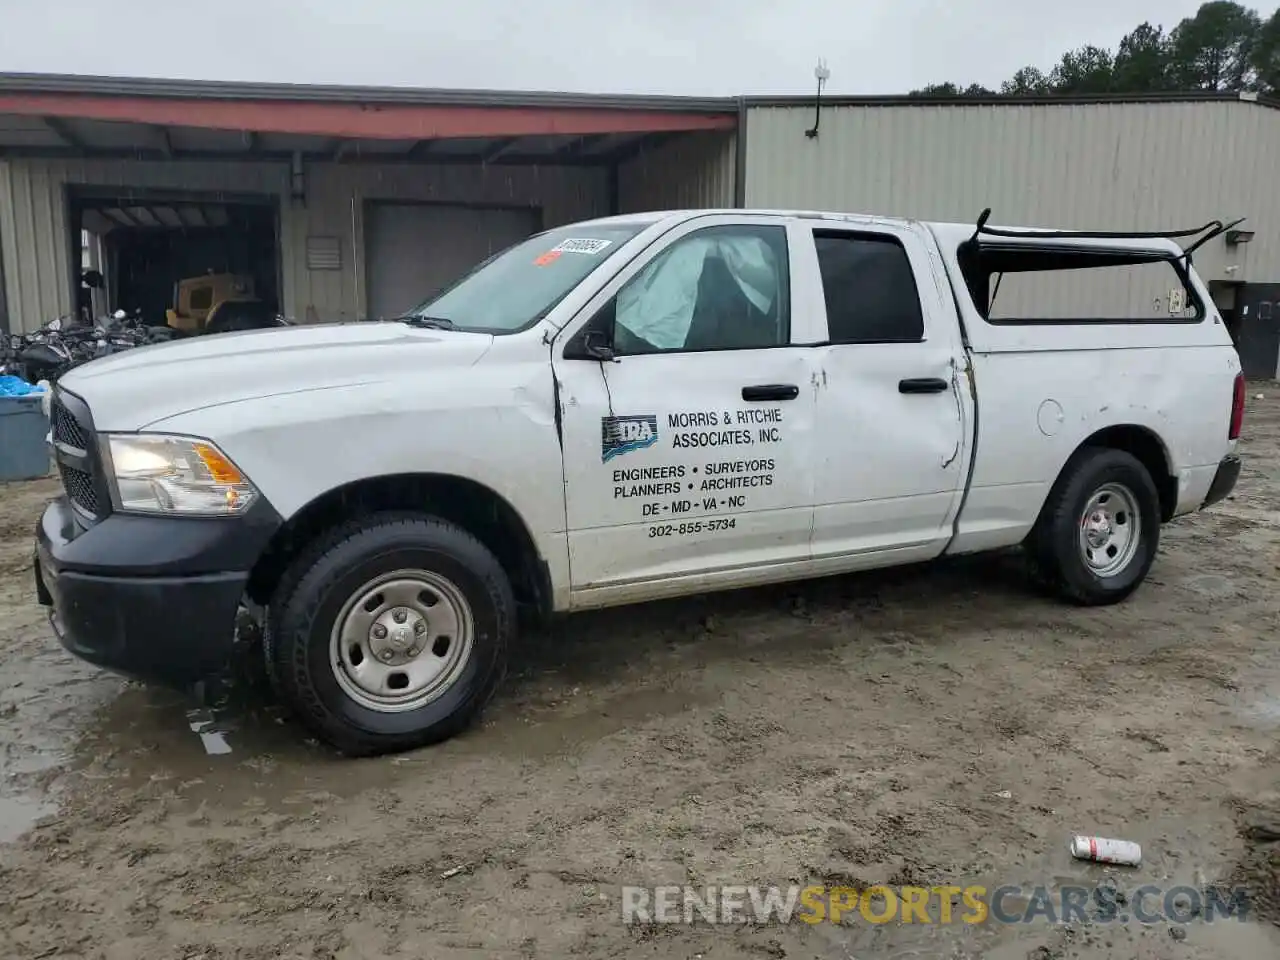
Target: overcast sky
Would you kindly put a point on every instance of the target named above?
(711, 47)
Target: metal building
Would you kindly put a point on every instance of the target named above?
(359, 201)
(354, 202)
(1121, 163)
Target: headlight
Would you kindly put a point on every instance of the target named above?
(155, 473)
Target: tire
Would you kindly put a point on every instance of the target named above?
(335, 682)
(1064, 537)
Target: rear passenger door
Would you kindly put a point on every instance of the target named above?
(891, 418)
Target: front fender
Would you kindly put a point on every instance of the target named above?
(297, 447)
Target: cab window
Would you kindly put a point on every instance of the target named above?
(869, 288)
(200, 298)
(720, 288)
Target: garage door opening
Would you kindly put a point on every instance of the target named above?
(145, 246)
(415, 250)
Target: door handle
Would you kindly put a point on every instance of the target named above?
(923, 385)
(771, 391)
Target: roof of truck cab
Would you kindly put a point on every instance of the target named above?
(679, 215)
(948, 233)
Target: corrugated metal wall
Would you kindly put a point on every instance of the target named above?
(1101, 166)
(37, 250)
(336, 195)
(693, 172)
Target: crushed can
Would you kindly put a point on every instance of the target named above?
(1104, 850)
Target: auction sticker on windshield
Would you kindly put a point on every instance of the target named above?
(588, 247)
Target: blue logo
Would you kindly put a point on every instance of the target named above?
(619, 435)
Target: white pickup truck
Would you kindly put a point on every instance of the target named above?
(625, 409)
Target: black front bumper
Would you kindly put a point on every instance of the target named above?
(149, 597)
(1224, 481)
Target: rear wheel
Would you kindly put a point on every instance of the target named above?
(390, 633)
(1099, 530)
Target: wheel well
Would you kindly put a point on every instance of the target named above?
(1147, 448)
(472, 506)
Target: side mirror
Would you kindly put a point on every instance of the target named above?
(596, 346)
(591, 344)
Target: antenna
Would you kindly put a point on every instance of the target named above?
(822, 74)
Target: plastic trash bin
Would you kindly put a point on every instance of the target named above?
(24, 455)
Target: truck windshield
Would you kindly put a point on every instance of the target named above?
(517, 287)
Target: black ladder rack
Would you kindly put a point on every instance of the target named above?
(1213, 228)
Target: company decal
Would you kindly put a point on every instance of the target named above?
(716, 476)
(619, 435)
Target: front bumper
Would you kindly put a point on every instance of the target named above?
(1224, 481)
(153, 598)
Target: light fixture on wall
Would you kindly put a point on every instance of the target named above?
(822, 75)
(297, 178)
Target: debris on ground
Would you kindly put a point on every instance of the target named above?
(1105, 850)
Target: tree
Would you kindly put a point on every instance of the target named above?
(1087, 70)
(1265, 57)
(1212, 50)
(1142, 61)
(938, 91)
(1027, 82)
(1225, 46)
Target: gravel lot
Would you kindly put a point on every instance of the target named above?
(934, 726)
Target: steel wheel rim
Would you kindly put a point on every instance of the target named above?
(1110, 530)
(401, 640)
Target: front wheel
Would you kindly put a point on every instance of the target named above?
(1098, 532)
(390, 633)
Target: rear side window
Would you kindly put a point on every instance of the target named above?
(1015, 285)
(869, 289)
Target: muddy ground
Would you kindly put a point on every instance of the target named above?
(943, 725)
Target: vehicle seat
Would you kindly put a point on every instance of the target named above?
(723, 316)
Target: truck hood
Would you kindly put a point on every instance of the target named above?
(138, 387)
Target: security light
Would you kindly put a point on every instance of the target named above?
(822, 75)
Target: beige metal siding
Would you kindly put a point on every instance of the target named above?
(694, 172)
(37, 250)
(33, 218)
(1101, 166)
(336, 194)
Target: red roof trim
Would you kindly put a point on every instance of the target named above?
(361, 121)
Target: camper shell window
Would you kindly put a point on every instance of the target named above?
(1023, 283)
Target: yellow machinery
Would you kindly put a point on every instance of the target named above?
(196, 299)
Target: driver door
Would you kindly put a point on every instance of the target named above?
(687, 455)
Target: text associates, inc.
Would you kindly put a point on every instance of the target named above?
(624, 436)
(725, 428)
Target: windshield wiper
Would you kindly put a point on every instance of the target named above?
(430, 323)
